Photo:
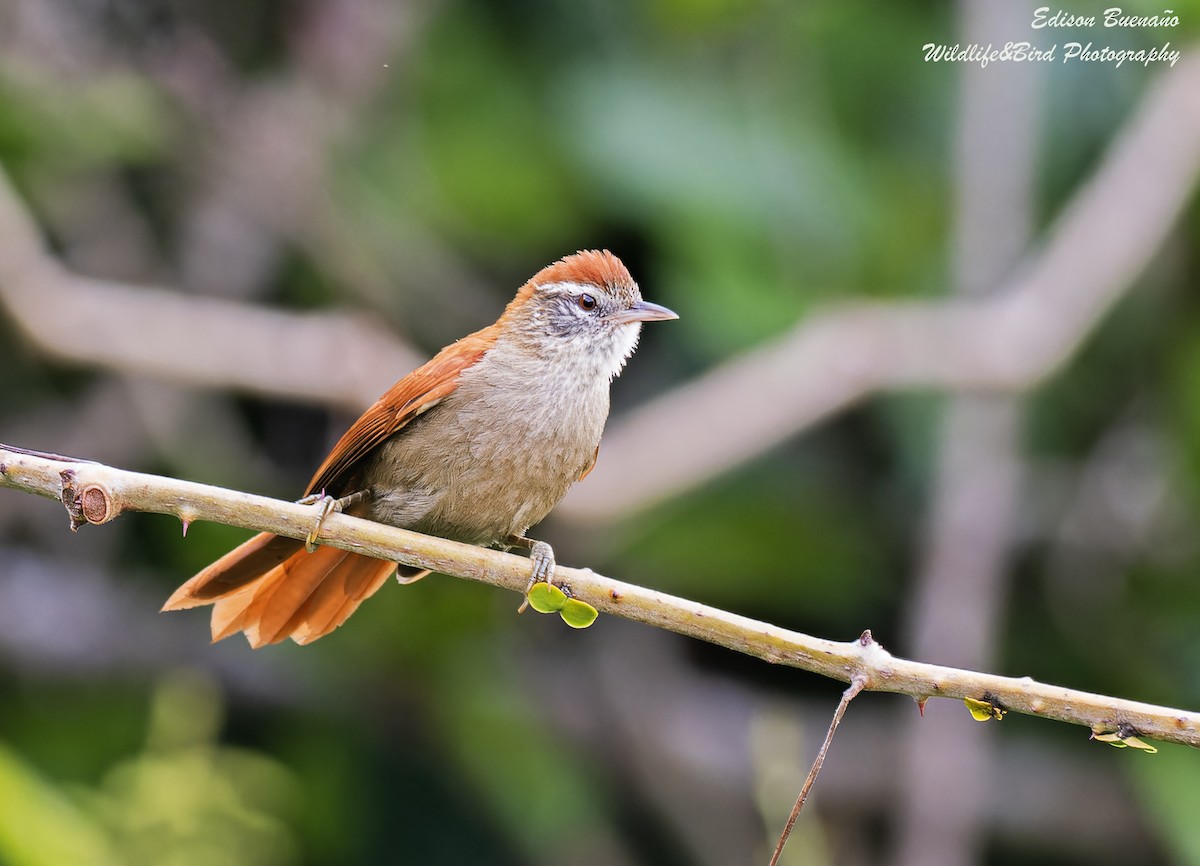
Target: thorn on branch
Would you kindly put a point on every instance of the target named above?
(186, 515)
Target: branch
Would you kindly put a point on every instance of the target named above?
(94, 493)
(340, 359)
(954, 611)
(1104, 238)
(856, 686)
(1089, 258)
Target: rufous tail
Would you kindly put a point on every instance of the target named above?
(271, 588)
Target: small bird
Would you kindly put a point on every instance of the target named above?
(477, 445)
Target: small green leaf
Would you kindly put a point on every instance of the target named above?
(1135, 743)
(545, 598)
(578, 614)
(983, 711)
(1115, 739)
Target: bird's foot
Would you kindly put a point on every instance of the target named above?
(541, 555)
(327, 505)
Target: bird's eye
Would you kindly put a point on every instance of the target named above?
(587, 302)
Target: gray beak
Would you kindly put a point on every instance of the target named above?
(642, 311)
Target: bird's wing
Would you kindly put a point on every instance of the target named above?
(418, 392)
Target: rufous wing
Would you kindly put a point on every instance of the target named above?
(418, 392)
(270, 587)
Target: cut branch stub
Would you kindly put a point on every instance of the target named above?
(97, 506)
(93, 504)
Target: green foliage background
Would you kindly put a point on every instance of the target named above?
(751, 160)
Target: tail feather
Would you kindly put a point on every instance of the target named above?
(337, 598)
(242, 565)
(228, 611)
(299, 577)
(271, 588)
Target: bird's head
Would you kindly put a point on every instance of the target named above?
(586, 304)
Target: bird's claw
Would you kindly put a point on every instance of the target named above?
(326, 505)
(541, 555)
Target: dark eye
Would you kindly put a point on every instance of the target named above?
(587, 302)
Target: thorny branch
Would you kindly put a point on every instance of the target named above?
(96, 494)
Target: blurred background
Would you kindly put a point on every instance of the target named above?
(937, 374)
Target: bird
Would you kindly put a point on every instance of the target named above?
(477, 445)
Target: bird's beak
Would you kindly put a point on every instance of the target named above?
(642, 311)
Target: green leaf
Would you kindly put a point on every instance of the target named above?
(1136, 743)
(578, 614)
(1131, 742)
(545, 598)
(983, 711)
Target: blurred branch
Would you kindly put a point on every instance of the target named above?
(1009, 342)
(340, 359)
(955, 608)
(94, 493)
(266, 166)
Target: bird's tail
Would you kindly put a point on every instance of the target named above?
(271, 588)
